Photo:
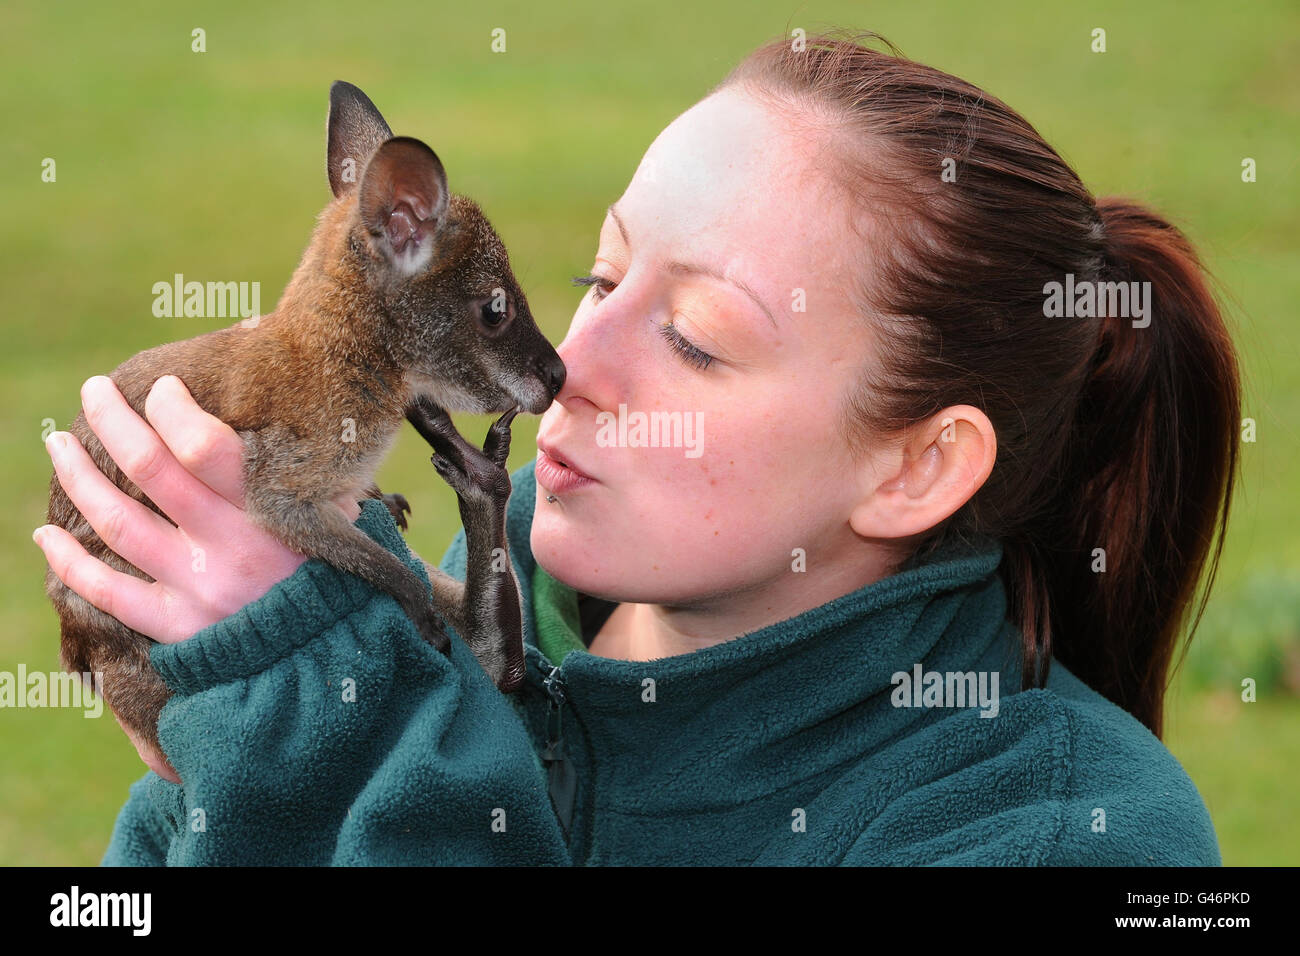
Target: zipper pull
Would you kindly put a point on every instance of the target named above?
(562, 779)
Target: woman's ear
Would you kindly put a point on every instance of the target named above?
(943, 463)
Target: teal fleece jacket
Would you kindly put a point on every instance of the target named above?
(315, 727)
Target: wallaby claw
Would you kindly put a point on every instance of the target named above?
(398, 507)
(432, 632)
(477, 476)
(396, 504)
(434, 425)
(497, 444)
(453, 473)
(441, 641)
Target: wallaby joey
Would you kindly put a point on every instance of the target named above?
(403, 306)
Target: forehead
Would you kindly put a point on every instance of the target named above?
(732, 183)
(469, 218)
(478, 247)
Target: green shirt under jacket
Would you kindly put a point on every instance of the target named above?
(315, 727)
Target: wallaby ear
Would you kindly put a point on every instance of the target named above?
(354, 130)
(403, 197)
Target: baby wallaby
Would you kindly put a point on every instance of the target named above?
(403, 306)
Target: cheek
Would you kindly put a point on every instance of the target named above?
(676, 523)
(665, 524)
(720, 523)
(752, 489)
(766, 478)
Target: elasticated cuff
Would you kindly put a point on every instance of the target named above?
(296, 610)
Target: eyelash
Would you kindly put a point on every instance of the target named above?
(691, 354)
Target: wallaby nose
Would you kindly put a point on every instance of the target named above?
(553, 374)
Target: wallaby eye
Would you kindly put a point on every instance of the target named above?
(495, 312)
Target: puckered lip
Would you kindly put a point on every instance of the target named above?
(559, 455)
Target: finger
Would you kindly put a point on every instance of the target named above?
(206, 446)
(135, 603)
(143, 458)
(124, 524)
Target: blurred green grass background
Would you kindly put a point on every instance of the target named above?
(212, 165)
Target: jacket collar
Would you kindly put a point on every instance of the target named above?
(817, 689)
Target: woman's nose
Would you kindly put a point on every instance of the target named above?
(600, 353)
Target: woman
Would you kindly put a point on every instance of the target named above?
(904, 589)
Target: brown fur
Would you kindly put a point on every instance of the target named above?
(354, 336)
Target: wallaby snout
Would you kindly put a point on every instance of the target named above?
(522, 364)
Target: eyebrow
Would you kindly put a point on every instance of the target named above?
(687, 268)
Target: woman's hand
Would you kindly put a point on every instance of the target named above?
(214, 560)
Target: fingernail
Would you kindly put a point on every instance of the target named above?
(93, 385)
(56, 442)
(38, 535)
(94, 394)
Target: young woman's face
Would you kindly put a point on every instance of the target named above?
(726, 192)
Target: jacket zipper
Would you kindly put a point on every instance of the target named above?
(562, 779)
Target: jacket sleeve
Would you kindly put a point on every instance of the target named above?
(316, 727)
(141, 835)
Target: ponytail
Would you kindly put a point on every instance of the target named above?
(1147, 475)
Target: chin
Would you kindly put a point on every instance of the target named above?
(563, 555)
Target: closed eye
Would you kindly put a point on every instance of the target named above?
(689, 352)
(597, 282)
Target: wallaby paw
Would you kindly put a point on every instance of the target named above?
(455, 476)
(476, 478)
(398, 507)
(436, 427)
(501, 658)
(426, 622)
(512, 679)
(497, 444)
(479, 478)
